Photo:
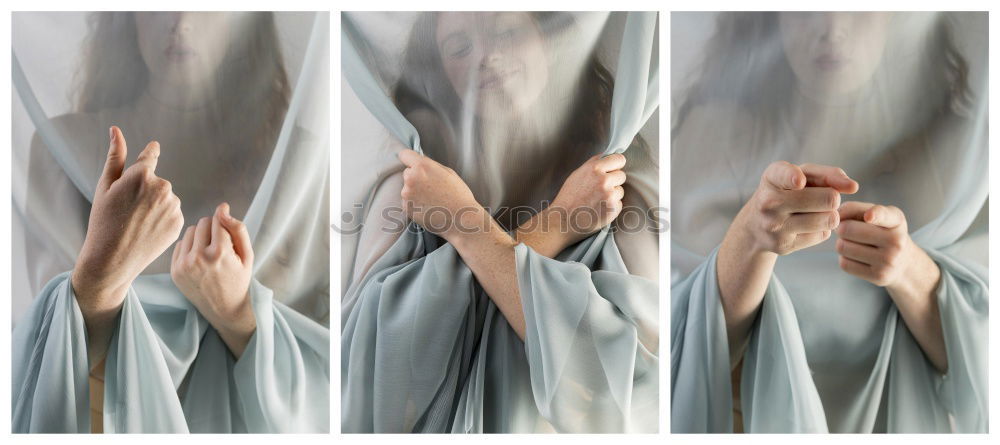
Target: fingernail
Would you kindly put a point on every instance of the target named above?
(111, 133)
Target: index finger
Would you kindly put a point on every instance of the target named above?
(854, 210)
(785, 176)
(827, 176)
(149, 155)
(889, 217)
(611, 162)
(409, 157)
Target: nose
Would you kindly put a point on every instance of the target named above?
(180, 22)
(834, 26)
(491, 57)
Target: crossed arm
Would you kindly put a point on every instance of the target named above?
(595, 188)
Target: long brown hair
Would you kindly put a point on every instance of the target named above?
(113, 74)
(745, 65)
(591, 119)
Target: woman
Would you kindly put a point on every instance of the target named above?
(846, 139)
(487, 95)
(177, 78)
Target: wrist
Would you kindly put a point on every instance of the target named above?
(469, 223)
(236, 317)
(96, 292)
(918, 280)
(741, 238)
(547, 232)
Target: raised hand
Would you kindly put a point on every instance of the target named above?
(795, 207)
(589, 200)
(875, 245)
(436, 198)
(212, 266)
(134, 218)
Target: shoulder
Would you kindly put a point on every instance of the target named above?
(84, 139)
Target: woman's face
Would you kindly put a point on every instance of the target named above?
(833, 53)
(497, 59)
(183, 48)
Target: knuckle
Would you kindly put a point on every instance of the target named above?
(769, 203)
(894, 243)
(831, 198)
(784, 244)
(882, 275)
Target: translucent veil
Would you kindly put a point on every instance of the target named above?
(239, 104)
(513, 102)
(899, 102)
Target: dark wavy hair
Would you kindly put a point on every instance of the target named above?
(744, 64)
(591, 119)
(113, 74)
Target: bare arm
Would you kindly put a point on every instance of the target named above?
(875, 245)
(794, 207)
(483, 244)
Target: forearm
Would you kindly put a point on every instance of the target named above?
(547, 232)
(234, 323)
(236, 333)
(916, 299)
(100, 301)
(489, 253)
(743, 272)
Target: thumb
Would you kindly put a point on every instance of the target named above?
(220, 237)
(238, 231)
(115, 163)
(785, 176)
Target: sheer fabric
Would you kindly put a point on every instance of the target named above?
(907, 118)
(255, 138)
(423, 348)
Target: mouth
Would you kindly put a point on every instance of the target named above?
(494, 80)
(831, 62)
(179, 52)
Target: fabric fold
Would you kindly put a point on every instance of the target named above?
(778, 393)
(167, 370)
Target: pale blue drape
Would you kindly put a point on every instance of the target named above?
(829, 352)
(167, 370)
(423, 349)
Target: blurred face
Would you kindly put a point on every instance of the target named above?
(183, 48)
(833, 53)
(497, 59)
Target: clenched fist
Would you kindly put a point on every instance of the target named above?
(212, 266)
(592, 195)
(436, 198)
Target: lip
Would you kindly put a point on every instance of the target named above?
(495, 80)
(831, 62)
(179, 52)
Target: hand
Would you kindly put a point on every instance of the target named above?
(794, 207)
(875, 245)
(589, 200)
(134, 218)
(437, 199)
(212, 266)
